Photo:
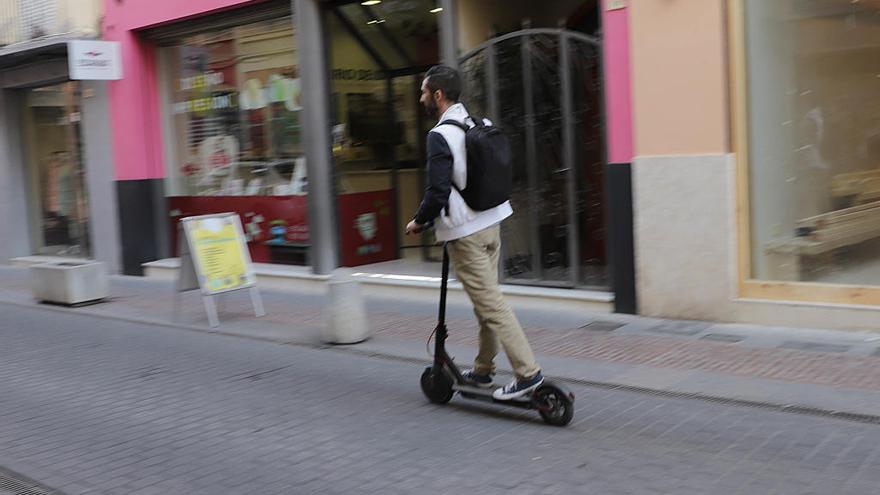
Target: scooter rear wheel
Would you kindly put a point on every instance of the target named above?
(437, 387)
(554, 405)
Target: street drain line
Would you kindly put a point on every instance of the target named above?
(669, 394)
(16, 484)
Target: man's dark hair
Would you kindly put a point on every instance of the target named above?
(446, 79)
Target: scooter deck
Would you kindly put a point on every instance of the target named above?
(485, 394)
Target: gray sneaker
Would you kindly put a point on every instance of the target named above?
(478, 379)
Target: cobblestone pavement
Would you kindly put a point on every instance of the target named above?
(820, 368)
(851, 360)
(91, 405)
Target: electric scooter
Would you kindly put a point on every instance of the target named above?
(441, 380)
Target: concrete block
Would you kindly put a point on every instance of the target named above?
(70, 282)
(346, 315)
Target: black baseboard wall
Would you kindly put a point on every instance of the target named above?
(621, 239)
(141, 213)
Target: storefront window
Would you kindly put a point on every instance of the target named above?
(813, 70)
(235, 106)
(234, 134)
(60, 204)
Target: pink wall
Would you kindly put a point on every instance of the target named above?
(134, 100)
(618, 89)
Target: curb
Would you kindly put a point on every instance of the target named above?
(670, 394)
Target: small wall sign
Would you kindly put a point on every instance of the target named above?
(94, 60)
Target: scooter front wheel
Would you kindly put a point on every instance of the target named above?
(555, 405)
(437, 386)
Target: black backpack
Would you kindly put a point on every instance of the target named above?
(489, 165)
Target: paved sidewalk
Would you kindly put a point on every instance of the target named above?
(818, 369)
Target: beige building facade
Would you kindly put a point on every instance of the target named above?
(756, 169)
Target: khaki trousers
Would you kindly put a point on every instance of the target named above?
(475, 259)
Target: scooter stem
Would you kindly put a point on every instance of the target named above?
(441, 318)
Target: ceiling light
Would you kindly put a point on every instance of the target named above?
(371, 2)
(437, 10)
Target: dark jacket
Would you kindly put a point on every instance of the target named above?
(439, 180)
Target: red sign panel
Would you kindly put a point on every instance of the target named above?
(258, 215)
(366, 223)
(366, 228)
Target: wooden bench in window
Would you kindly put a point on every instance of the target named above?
(819, 236)
(859, 187)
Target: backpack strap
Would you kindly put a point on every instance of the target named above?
(456, 123)
(463, 127)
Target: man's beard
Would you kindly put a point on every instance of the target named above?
(431, 109)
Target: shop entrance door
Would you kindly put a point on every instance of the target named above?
(59, 202)
(377, 55)
(543, 87)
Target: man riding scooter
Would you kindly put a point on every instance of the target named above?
(472, 236)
